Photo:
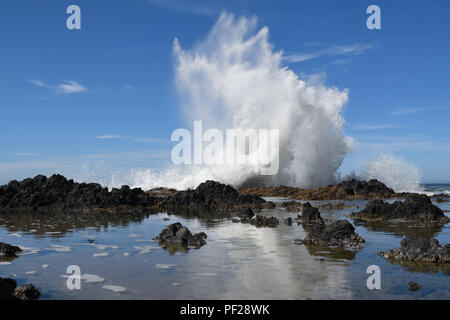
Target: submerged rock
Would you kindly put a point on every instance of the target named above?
(416, 207)
(8, 290)
(178, 235)
(413, 286)
(261, 221)
(8, 250)
(340, 233)
(421, 250)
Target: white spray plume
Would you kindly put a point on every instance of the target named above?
(234, 79)
(395, 172)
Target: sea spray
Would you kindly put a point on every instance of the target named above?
(395, 172)
(234, 79)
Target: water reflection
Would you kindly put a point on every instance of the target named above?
(403, 229)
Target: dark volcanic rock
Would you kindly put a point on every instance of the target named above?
(416, 207)
(211, 197)
(352, 189)
(309, 214)
(178, 235)
(26, 292)
(59, 194)
(8, 291)
(8, 250)
(261, 221)
(413, 286)
(7, 287)
(288, 221)
(422, 250)
(340, 233)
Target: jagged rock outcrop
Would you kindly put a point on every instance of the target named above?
(211, 197)
(8, 250)
(57, 194)
(416, 207)
(340, 233)
(178, 235)
(10, 291)
(421, 250)
(309, 214)
(351, 190)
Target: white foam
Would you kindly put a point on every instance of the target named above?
(165, 266)
(91, 278)
(59, 248)
(100, 254)
(114, 288)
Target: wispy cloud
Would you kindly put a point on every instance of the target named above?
(335, 50)
(39, 83)
(188, 6)
(70, 87)
(381, 126)
(406, 111)
(66, 87)
(129, 138)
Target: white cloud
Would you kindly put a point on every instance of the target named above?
(381, 126)
(70, 87)
(66, 87)
(330, 51)
(406, 111)
(39, 83)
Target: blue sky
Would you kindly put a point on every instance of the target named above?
(103, 97)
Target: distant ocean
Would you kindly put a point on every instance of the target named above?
(436, 188)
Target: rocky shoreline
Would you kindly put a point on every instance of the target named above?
(211, 199)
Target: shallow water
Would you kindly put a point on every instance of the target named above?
(119, 260)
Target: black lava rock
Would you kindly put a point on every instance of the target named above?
(261, 221)
(8, 290)
(416, 207)
(8, 250)
(309, 214)
(340, 233)
(59, 194)
(413, 286)
(422, 250)
(211, 197)
(178, 235)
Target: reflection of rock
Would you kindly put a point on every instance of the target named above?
(417, 266)
(402, 229)
(9, 291)
(178, 235)
(8, 250)
(416, 207)
(58, 223)
(352, 189)
(422, 250)
(340, 233)
(334, 254)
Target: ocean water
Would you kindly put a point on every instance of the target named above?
(119, 259)
(436, 188)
